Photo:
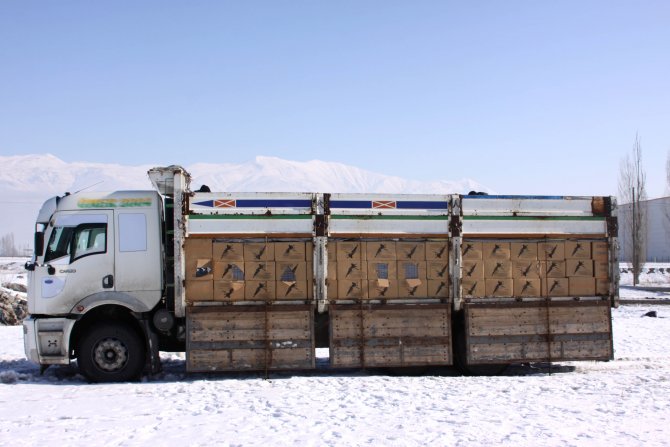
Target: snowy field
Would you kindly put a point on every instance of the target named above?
(622, 402)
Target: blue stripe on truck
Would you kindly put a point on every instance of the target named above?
(261, 203)
(274, 203)
(401, 205)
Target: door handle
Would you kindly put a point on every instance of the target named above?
(108, 282)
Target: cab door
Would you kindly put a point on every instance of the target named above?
(78, 260)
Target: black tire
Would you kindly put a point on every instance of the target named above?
(111, 353)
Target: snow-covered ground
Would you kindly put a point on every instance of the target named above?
(622, 402)
(12, 271)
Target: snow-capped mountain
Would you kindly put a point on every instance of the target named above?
(48, 175)
(27, 180)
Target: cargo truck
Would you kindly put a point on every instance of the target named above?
(258, 281)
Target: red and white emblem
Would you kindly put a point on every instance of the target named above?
(386, 204)
(225, 204)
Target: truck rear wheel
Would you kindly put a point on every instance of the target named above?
(111, 353)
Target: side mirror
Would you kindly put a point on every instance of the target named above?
(39, 243)
(51, 270)
(30, 266)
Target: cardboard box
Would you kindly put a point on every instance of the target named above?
(198, 248)
(411, 251)
(497, 268)
(496, 250)
(382, 270)
(228, 251)
(291, 271)
(552, 269)
(290, 251)
(412, 270)
(499, 287)
(229, 271)
(259, 251)
(380, 251)
(259, 291)
(577, 250)
(471, 250)
(579, 267)
(332, 269)
(354, 289)
(554, 286)
(382, 289)
(259, 271)
(199, 291)
(199, 269)
(601, 269)
(438, 288)
(198, 254)
(412, 288)
(602, 286)
(309, 251)
(525, 269)
(310, 286)
(472, 269)
(523, 251)
(228, 291)
(582, 286)
(350, 251)
(600, 251)
(437, 270)
(527, 287)
(551, 251)
(437, 251)
(473, 288)
(292, 290)
(349, 270)
(331, 287)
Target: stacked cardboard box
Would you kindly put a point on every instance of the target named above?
(387, 269)
(534, 268)
(226, 271)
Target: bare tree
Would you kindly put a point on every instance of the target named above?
(632, 191)
(7, 247)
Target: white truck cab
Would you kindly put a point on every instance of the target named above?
(92, 250)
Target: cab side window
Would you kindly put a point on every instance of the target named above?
(59, 243)
(89, 239)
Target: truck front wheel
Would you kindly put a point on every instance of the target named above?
(111, 353)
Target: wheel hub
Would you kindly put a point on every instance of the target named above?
(110, 354)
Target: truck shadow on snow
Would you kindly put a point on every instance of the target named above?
(17, 372)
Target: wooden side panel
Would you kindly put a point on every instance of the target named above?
(390, 335)
(538, 331)
(233, 338)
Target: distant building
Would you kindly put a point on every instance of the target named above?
(658, 230)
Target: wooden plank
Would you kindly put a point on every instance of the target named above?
(539, 351)
(386, 356)
(390, 335)
(250, 338)
(389, 323)
(540, 331)
(539, 319)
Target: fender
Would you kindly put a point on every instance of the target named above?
(118, 298)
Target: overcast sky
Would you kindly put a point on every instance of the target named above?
(525, 97)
